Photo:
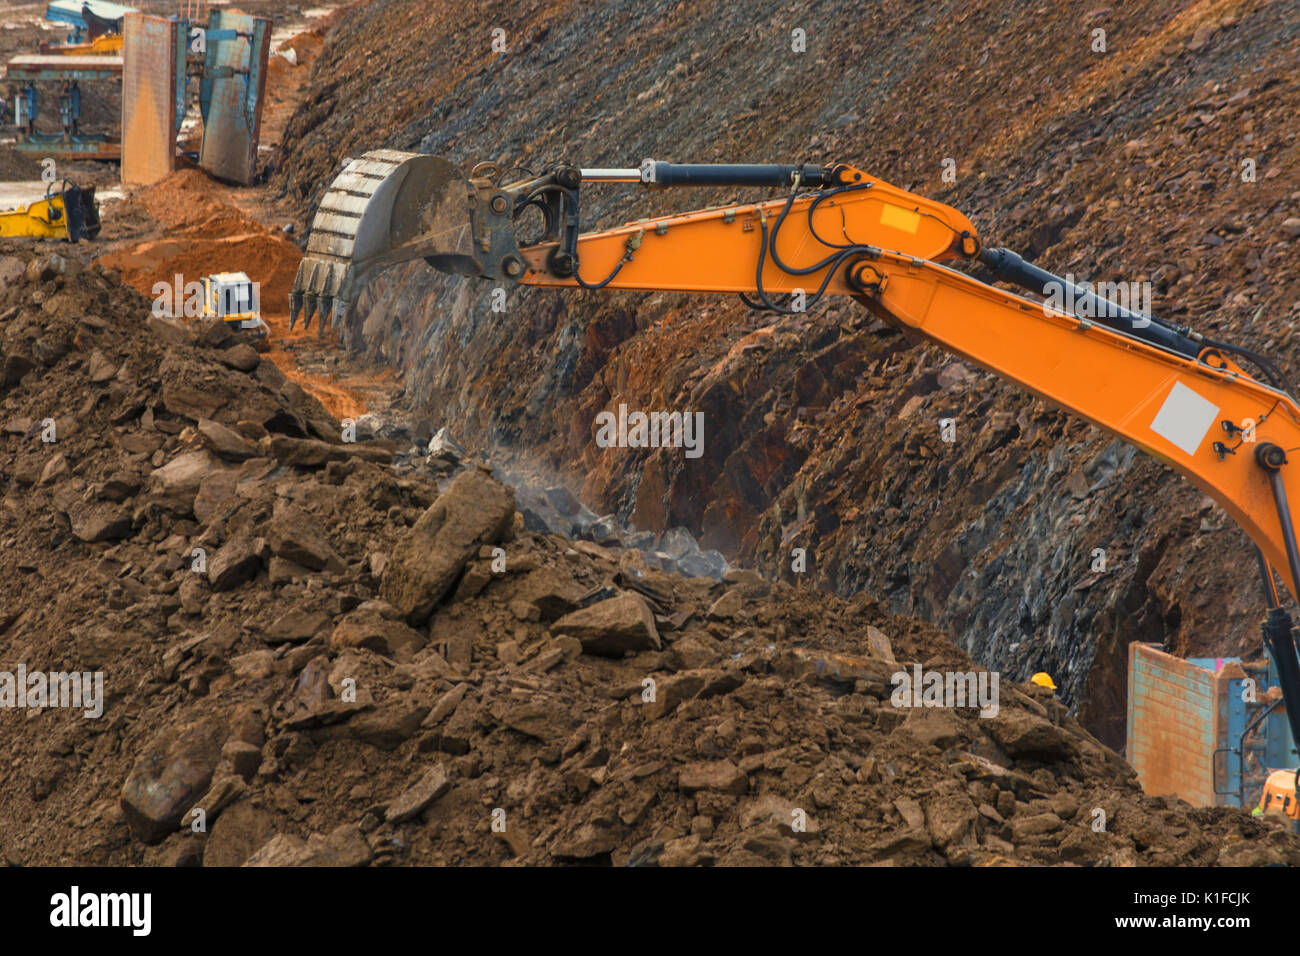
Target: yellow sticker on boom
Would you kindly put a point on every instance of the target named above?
(896, 217)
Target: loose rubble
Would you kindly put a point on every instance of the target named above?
(310, 658)
(546, 508)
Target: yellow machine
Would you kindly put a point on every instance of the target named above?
(70, 214)
(235, 298)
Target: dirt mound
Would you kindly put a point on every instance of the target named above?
(307, 45)
(187, 203)
(305, 48)
(343, 664)
(258, 253)
(17, 167)
(205, 233)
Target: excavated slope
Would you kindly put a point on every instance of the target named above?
(1125, 165)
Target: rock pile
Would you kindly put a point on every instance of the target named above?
(546, 508)
(310, 659)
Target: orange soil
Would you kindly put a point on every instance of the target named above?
(206, 234)
(285, 82)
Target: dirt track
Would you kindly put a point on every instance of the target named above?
(200, 230)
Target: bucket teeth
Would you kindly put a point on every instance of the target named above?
(309, 308)
(295, 306)
(326, 312)
(339, 314)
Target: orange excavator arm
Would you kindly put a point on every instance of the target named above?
(1170, 404)
(1173, 393)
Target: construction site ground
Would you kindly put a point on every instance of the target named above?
(558, 701)
(302, 692)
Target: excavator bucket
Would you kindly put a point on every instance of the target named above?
(385, 208)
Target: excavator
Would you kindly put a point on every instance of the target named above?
(1219, 414)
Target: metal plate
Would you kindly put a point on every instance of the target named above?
(55, 66)
(232, 104)
(148, 98)
(1174, 718)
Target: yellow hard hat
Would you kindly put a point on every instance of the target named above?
(1043, 679)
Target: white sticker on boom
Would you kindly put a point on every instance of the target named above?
(1184, 418)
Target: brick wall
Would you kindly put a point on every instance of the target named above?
(1173, 724)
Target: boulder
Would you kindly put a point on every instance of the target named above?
(671, 692)
(551, 592)
(936, 725)
(194, 402)
(1024, 825)
(343, 846)
(312, 453)
(180, 478)
(172, 773)
(367, 627)
(216, 495)
(729, 605)
(547, 721)
(474, 510)
(99, 521)
(706, 564)
(612, 627)
(419, 797)
(296, 536)
(388, 726)
(720, 775)
(950, 818)
(235, 562)
(1022, 734)
(295, 626)
(226, 442)
(242, 357)
(101, 368)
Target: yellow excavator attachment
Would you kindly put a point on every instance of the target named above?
(108, 44)
(71, 214)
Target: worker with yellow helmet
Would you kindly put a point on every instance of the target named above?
(1043, 679)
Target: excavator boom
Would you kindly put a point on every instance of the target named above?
(1172, 392)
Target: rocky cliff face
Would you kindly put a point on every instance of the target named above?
(822, 430)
